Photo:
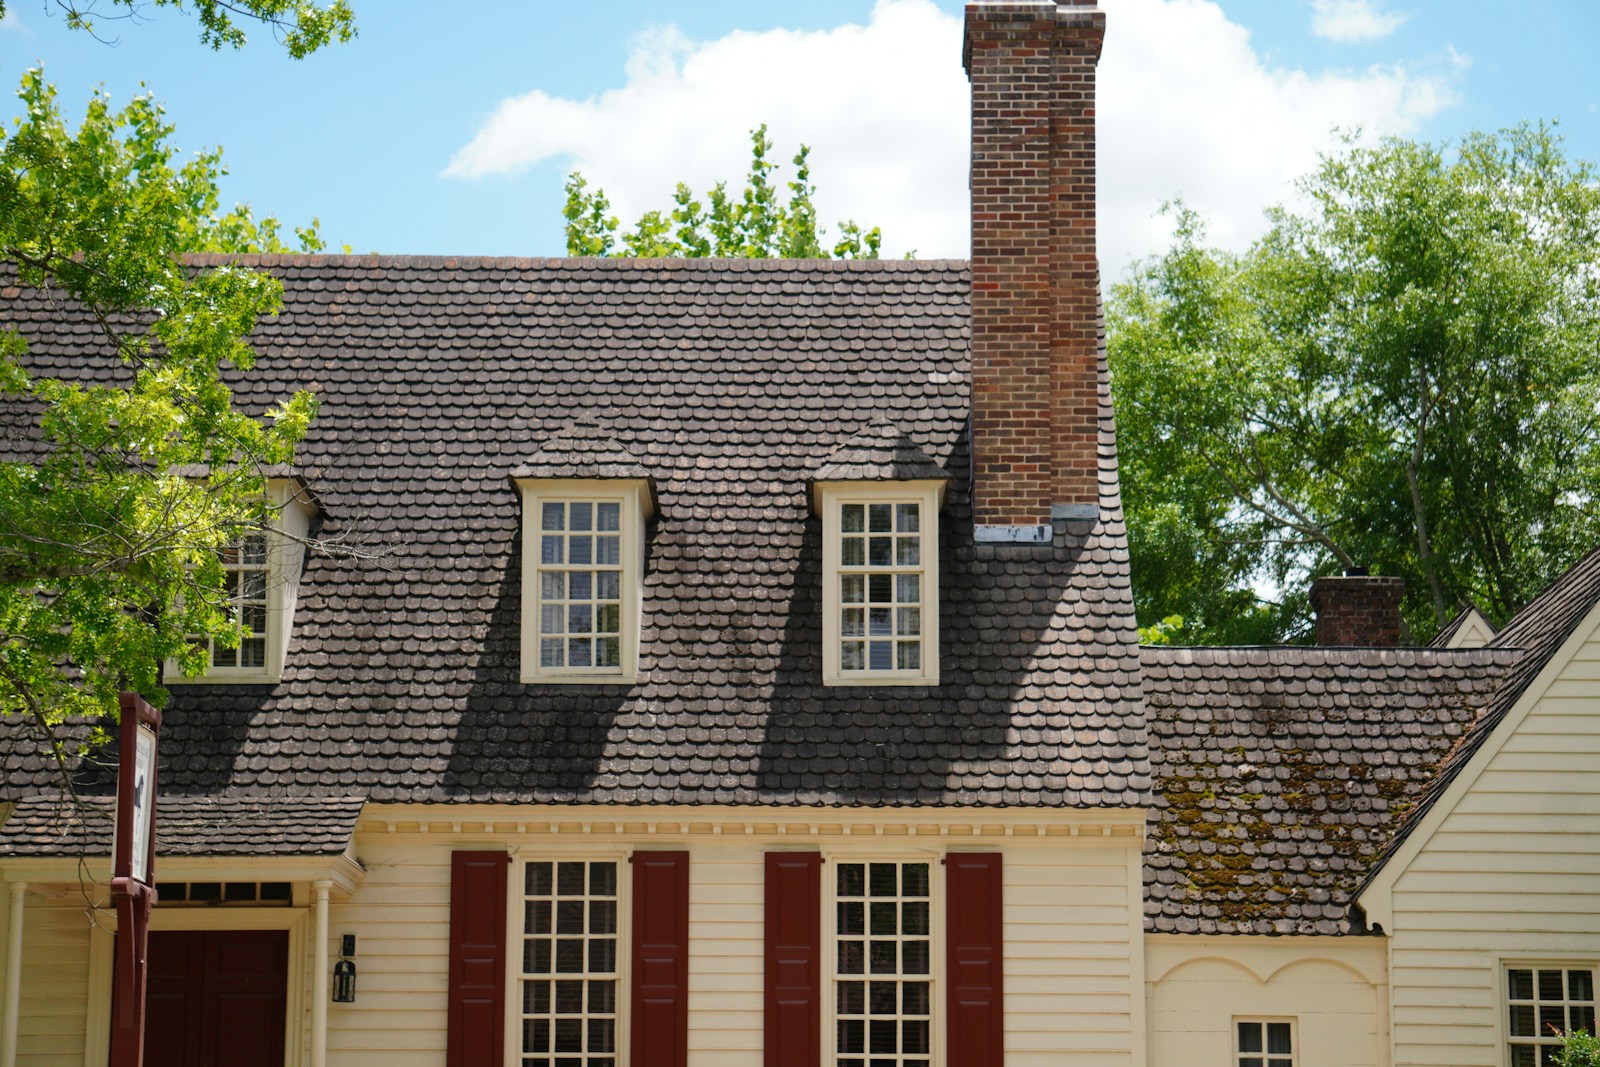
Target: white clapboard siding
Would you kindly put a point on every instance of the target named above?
(1512, 872)
(1332, 988)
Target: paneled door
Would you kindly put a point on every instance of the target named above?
(216, 998)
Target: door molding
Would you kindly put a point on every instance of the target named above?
(102, 932)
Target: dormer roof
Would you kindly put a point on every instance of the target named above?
(879, 452)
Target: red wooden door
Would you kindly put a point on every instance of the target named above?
(216, 998)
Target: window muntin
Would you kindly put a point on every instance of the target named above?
(1263, 1043)
(883, 973)
(570, 978)
(880, 586)
(579, 574)
(1542, 999)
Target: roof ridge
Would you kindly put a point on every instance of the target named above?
(487, 262)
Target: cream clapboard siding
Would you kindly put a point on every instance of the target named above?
(55, 982)
(1512, 872)
(1073, 964)
(1334, 989)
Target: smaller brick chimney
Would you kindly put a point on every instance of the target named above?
(1358, 609)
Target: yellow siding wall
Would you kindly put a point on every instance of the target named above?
(55, 982)
(1513, 871)
(1333, 988)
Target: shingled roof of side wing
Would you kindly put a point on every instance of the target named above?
(186, 826)
(1282, 773)
(730, 382)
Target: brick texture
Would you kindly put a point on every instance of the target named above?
(1358, 610)
(1035, 273)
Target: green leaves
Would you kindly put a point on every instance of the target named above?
(754, 224)
(1398, 375)
(301, 26)
(111, 525)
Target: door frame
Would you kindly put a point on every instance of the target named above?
(97, 1035)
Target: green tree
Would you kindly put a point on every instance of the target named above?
(753, 224)
(118, 499)
(301, 26)
(1400, 374)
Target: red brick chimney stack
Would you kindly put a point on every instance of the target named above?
(1035, 272)
(1358, 609)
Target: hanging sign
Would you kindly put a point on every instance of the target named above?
(133, 875)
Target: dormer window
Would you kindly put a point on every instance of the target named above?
(261, 587)
(582, 560)
(878, 497)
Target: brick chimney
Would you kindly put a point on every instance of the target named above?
(1035, 272)
(1358, 609)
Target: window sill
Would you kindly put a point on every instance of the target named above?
(243, 678)
(568, 678)
(870, 678)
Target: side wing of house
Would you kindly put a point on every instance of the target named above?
(1492, 900)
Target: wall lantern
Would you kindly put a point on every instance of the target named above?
(344, 972)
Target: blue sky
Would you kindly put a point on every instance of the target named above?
(449, 128)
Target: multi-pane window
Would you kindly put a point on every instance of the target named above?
(246, 589)
(883, 976)
(1545, 1002)
(881, 586)
(580, 585)
(569, 964)
(1263, 1043)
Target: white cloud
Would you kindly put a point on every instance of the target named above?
(1186, 107)
(1348, 21)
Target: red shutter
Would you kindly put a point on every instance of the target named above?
(793, 921)
(975, 959)
(477, 1016)
(661, 959)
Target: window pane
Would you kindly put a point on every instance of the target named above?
(884, 995)
(853, 623)
(603, 956)
(1523, 1056)
(851, 958)
(852, 657)
(885, 877)
(915, 876)
(608, 585)
(1250, 1037)
(1521, 984)
(907, 551)
(853, 588)
(569, 879)
(880, 622)
(602, 917)
(880, 588)
(551, 617)
(885, 920)
(852, 1035)
(578, 650)
(852, 998)
(1581, 1017)
(915, 957)
(580, 516)
(569, 998)
(569, 1035)
(1278, 1038)
(536, 917)
(550, 652)
(602, 879)
(580, 550)
(255, 550)
(882, 955)
(552, 585)
(602, 997)
(908, 517)
(914, 917)
(1580, 985)
(551, 549)
(852, 879)
(908, 621)
(880, 551)
(608, 550)
(569, 917)
(883, 1036)
(915, 998)
(551, 516)
(910, 656)
(852, 518)
(608, 620)
(852, 917)
(914, 1036)
(580, 585)
(580, 619)
(253, 652)
(602, 1035)
(1550, 985)
(538, 879)
(853, 552)
(1522, 1024)
(909, 588)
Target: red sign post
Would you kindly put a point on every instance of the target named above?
(133, 875)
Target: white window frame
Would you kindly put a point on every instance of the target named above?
(937, 1018)
(1265, 1057)
(831, 497)
(1507, 964)
(633, 495)
(516, 927)
(271, 670)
